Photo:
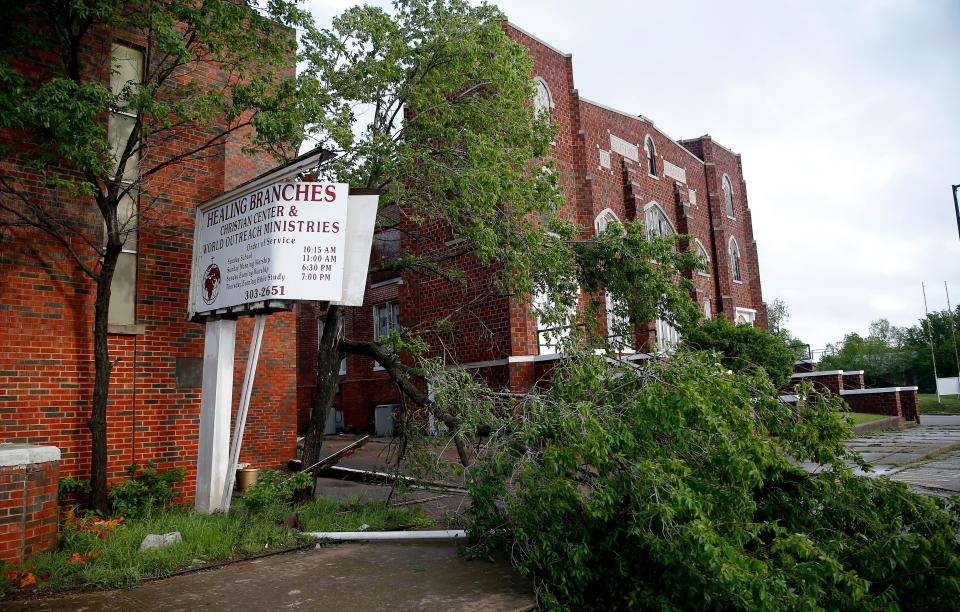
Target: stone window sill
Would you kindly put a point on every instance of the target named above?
(119, 329)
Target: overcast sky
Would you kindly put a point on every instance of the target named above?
(846, 112)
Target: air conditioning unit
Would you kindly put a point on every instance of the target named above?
(383, 419)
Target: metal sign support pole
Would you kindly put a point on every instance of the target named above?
(216, 399)
(252, 358)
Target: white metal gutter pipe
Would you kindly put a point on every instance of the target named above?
(443, 534)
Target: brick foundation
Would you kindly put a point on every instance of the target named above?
(29, 478)
(894, 401)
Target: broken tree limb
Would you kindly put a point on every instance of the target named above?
(345, 473)
(335, 458)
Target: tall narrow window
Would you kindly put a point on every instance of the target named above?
(658, 225)
(618, 323)
(386, 318)
(728, 196)
(126, 73)
(542, 98)
(735, 260)
(343, 362)
(707, 311)
(701, 253)
(651, 152)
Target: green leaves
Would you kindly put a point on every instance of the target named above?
(674, 485)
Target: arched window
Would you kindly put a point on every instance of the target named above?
(604, 219)
(707, 312)
(542, 98)
(656, 221)
(701, 253)
(651, 152)
(728, 196)
(618, 323)
(735, 260)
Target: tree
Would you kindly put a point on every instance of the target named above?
(777, 316)
(89, 135)
(453, 143)
(882, 355)
(676, 485)
(744, 348)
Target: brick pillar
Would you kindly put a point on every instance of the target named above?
(29, 478)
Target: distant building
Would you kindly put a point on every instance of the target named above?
(614, 166)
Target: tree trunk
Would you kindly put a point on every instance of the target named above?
(101, 383)
(328, 371)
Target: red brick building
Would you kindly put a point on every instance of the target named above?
(613, 165)
(46, 367)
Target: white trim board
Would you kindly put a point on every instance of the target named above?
(877, 390)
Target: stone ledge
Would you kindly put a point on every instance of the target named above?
(25, 454)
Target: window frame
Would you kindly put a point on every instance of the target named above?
(733, 250)
(128, 178)
(393, 320)
(700, 249)
(726, 186)
(546, 112)
(650, 152)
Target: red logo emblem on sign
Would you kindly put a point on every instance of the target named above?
(211, 283)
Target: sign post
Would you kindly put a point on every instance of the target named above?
(258, 249)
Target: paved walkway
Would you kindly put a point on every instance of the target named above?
(926, 457)
(353, 576)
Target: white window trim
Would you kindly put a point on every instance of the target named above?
(723, 183)
(647, 156)
(655, 204)
(707, 309)
(549, 110)
(558, 333)
(606, 212)
(747, 313)
(706, 254)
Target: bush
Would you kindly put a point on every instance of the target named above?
(144, 491)
(744, 348)
(273, 487)
(661, 487)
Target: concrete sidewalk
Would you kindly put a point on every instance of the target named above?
(354, 576)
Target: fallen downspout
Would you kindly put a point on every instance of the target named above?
(442, 534)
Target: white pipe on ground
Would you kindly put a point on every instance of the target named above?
(443, 534)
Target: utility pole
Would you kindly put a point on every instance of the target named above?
(956, 206)
(953, 333)
(933, 355)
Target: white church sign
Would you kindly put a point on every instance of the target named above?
(283, 241)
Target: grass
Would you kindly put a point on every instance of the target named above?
(949, 404)
(117, 562)
(860, 418)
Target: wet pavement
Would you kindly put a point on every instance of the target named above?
(354, 576)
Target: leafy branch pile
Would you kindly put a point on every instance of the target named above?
(676, 485)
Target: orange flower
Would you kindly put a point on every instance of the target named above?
(11, 576)
(28, 580)
(76, 559)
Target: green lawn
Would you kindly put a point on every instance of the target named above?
(86, 558)
(949, 404)
(860, 418)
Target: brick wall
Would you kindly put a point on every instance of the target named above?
(494, 328)
(877, 401)
(28, 503)
(47, 304)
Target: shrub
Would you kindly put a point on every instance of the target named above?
(661, 487)
(744, 348)
(274, 487)
(141, 492)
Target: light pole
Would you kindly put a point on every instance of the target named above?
(956, 206)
